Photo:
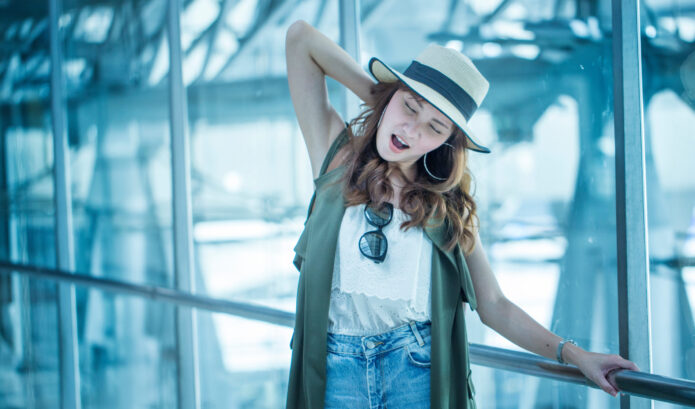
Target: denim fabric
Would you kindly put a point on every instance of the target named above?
(389, 370)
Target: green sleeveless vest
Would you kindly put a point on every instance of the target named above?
(450, 380)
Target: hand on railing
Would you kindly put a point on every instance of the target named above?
(601, 368)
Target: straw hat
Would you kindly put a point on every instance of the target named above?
(446, 79)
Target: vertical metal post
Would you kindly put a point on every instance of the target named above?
(186, 324)
(67, 319)
(349, 18)
(634, 314)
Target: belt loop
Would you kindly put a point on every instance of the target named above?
(417, 333)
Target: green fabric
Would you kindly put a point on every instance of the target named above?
(450, 381)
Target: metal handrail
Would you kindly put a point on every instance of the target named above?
(646, 385)
(240, 309)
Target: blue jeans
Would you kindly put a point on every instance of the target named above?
(389, 370)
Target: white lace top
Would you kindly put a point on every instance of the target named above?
(369, 298)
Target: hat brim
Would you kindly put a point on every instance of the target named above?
(384, 73)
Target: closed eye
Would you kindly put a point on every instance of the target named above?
(435, 129)
(410, 108)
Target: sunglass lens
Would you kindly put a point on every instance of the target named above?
(373, 244)
(379, 217)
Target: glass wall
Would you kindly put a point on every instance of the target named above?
(29, 359)
(29, 351)
(115, 60)
(243, 363)
(669, 103)
(115, 65)
(127, 352)
(545, 195)
(249, 166)
(251, 183)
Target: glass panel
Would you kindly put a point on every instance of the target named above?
(27, 228)
(243, 363)
(29, 359)
(252, 182)
(116, 60)
(250, 169)
(546, 194)
(668, 72)
(127, 351)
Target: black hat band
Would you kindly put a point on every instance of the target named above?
(444, 86)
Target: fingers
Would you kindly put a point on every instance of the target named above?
(624, 363)
(621, 364)
(610, 376)
(631, 365)
(603, 369)
(606, 386)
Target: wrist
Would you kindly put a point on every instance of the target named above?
(571, 353)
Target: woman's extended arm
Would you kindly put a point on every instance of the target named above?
(505, 317)
(310, 57)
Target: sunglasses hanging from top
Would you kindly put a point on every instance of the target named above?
(373, 244)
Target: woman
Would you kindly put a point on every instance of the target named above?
(390, 251)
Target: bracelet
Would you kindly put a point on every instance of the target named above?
(559, 349)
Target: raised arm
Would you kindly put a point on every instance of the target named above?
(499, 313)
(310, 57)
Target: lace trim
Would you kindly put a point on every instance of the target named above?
(369, 316)
(406, 306)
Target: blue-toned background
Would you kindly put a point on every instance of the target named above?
(546, 195)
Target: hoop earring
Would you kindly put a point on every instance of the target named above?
(378, 124)
(424, 162)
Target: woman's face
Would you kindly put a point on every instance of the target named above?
(410, 128)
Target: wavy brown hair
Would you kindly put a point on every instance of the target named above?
(366, 178)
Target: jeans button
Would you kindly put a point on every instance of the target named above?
(370, 344)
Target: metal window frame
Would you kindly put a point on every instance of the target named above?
(349, 24)
(65, 253)
(634, 312)
(184, 269)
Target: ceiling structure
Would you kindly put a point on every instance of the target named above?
(122, 44)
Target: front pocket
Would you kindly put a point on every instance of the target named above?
(419, 355)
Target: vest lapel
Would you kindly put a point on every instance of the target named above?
(437, 232)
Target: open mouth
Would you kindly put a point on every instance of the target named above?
(398, 143)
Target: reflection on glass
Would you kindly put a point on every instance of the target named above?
(118, 128)
(668, 72)
(29, 365)
(251, 184)
(29, 358)
(26, 185)
(251, 176)
(243, 363)
(127, 352)
(115, 62)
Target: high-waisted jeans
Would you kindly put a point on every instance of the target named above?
(385, 371)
